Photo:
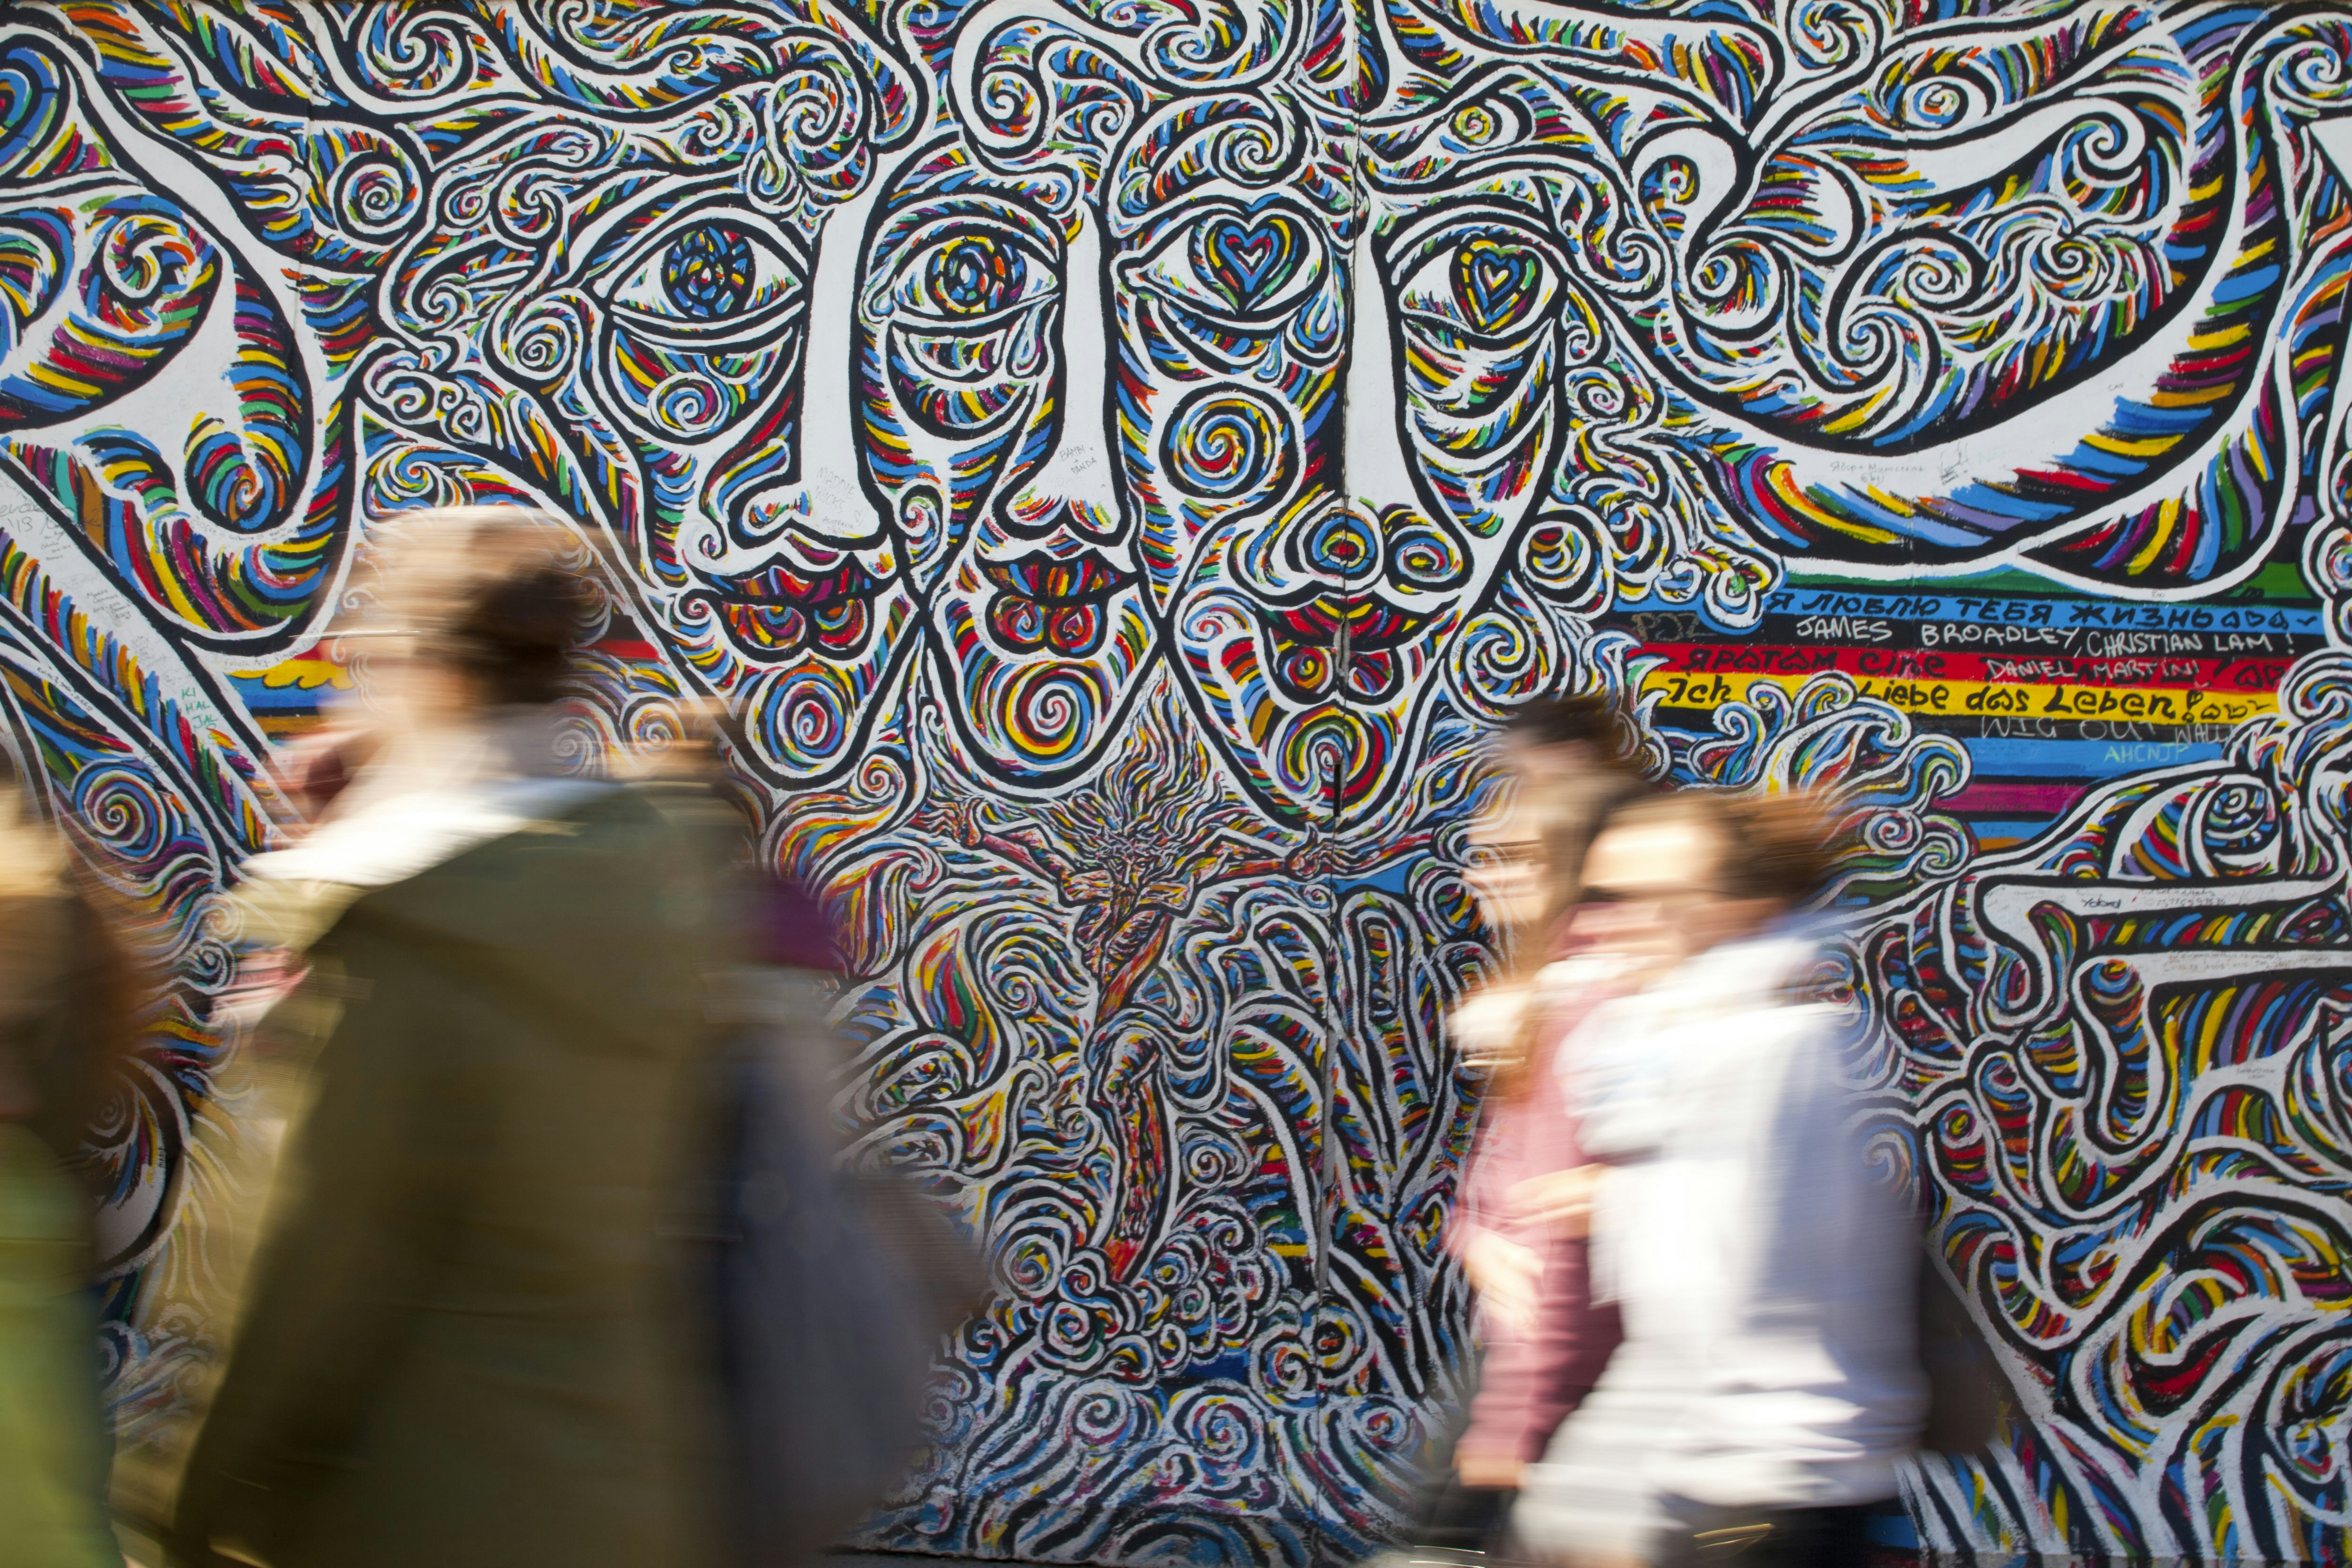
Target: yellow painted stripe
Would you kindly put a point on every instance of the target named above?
(304, 673)
(1964, 699)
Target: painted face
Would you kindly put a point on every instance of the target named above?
(984, 416)
(1231, 316)
(650, 286)
(1102, 383)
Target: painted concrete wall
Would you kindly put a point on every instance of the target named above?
(1119, 458)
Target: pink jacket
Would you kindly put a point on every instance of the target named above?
(1527, 1385)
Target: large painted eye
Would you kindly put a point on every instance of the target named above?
(969, 276)
(1490, 283)
(973, 275)
(714, 274)
(972, 314)
(1238, 264)
(707, 271)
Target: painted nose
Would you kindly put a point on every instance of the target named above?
(823, 509)
(1379, 468)
(831, 505)
(1078, 488)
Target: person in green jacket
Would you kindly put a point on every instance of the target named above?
(469, 1337)
(67, 1003)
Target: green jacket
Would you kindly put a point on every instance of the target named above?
(53, 1449)
(65, 1012)
(468, 1339)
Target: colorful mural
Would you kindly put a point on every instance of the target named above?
(1119, 458)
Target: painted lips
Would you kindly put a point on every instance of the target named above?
(1336, 640)
(778, 612)
(1053, 601)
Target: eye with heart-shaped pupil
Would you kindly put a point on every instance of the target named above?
(973, 275)
(1247, 261)
(1498, 285)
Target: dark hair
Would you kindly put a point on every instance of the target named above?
(1587, 718)
(518, 635)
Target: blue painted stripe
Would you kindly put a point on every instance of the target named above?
(2009, 757)
(2004, 829)
(1880, 602)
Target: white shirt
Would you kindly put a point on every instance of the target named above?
(1746, 1238)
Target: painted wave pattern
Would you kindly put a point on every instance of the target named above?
(1117, 460)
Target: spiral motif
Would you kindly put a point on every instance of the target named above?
(2312, 71)
(1283, 1368)
(135, 830)
(1032, 1265)
(690, 403)
(463, 202)
(1047, 710)
(375, 192)
(800, 718)
(1826, 33)
(1076, 1336)
(146, 256)
(1105, 1418)
(411, 477)
(1226, 444)
(543, 341)
(1224, 1430)
(413, 54)
(1940, 102)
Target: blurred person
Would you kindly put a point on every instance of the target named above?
(1769, 1382)
(1542, 1343)
(1573, 753)
(69, 1005)
(827, 1287)
(469, 1337)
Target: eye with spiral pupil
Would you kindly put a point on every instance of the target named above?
(706, 272)
(1473, 125)
(973, 276)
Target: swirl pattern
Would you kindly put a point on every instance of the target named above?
(1119, 462)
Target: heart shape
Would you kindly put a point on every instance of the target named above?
(1497, 284)
(1246, 261)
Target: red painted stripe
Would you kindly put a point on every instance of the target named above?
(2036, 667)
(2035, 798)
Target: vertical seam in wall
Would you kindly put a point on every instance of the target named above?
(1330, 1173)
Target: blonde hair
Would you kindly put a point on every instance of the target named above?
(33, 855)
